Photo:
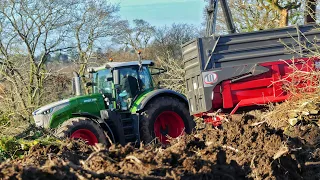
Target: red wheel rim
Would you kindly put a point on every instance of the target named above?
(85, 135)
(168, 123)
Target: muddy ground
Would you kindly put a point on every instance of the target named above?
(242, 149)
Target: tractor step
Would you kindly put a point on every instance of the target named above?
(126, 120)
(128, 129)
(130, 137)
(125, 127)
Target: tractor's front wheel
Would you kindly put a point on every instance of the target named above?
(82, 128)
(163, 117)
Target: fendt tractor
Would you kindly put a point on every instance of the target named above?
(222, 72)
(124, 107)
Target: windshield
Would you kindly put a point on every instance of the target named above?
(133, 80)
(102, 85)
(129, 82)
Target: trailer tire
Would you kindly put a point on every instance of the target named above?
(165, 115)
(82, 128)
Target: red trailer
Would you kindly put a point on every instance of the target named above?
(261, 89)
(246, 69)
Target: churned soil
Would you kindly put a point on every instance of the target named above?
(241, 149)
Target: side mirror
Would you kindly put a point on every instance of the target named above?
(116, 77)
(90, 84)
(157, 71)
(90, 76)
(109, 79)
(91, 70)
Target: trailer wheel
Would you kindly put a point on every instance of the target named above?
(165, 116)
(82, 128)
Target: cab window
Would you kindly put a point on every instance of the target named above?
(102, 85)
(129, 85)
(145, 78)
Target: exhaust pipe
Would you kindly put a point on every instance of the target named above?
(76, 84)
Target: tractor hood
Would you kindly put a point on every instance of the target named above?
(50, 106)
(52, 115)
(43, 115)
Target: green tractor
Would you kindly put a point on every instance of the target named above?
(124, 107)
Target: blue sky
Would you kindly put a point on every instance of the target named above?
(162, 12)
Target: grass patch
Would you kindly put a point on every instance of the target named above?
(12, 148)
(16, 142)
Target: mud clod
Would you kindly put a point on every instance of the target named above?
(238, 151)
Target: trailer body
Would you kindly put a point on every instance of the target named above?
(245, 69)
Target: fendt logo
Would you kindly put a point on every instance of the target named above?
(211, 78)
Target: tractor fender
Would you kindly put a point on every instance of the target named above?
(157, 93)
(97, 120)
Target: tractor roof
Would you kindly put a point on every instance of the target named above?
(121, 64)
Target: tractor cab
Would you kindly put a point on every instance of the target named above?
(120, 83)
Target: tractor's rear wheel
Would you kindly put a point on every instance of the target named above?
(82, 128)
(163, 117)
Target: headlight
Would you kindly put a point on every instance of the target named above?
(43, 115)
(47, 111)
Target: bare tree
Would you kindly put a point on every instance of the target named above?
(310, 11)
(283, 9)
(32, 31)
(168, 40)
(253, 15)
(166, 48)
(93, 22)
(137, 37)
(29, 32)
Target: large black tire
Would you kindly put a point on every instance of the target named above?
(69, 127)
(158, 106)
